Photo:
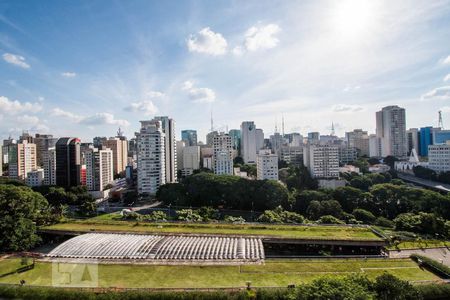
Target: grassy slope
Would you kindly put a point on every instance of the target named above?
(305, 232)
(419, 244)
(273, 273)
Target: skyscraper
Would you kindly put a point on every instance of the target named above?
(248, 142)
(322, 161)
(43, 143)
(99, 168)
(391, 129)
(235, 139)
(151, 163)
(68, 162)
(22, 159)
(119, 148)
(223, 154)
(49, 162)
(168, 128)
(189, 137)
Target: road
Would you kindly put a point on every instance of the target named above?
(438, 254)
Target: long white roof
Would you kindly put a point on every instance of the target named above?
(112, 246)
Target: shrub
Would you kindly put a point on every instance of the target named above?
(234, 220)
(156, 216)
(188, 215)
(328, 219)
(434, 291)
(364, 215)
(387, 286)
(433, 265)
(383, 222)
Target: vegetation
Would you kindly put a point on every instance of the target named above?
(279, 215)
(422, 222)
(434, 266)
(429, 174)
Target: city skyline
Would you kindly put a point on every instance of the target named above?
(94, 67)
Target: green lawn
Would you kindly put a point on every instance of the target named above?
(419, 244)
(285, 231)
(273, 273)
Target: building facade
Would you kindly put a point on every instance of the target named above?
(266, 165)
(191, 160)
(119, 148)
(391, 130)
(358, 139)
(99, 168)
(222, 154)
(22, 159)
(439, 157)
(68, 162)
(189, 137)
(322, 161)
(170, 145)
(248, 142)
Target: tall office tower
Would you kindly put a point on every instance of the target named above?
(119, 148)
(22, 159)
(374, 146)
(99, 168)
(68, 162)
(236, 140)
(151, 162)
(132, 147)
(210, 138)
(259, 135)
(322, 161)
(266, 165)
(223, 154)
(191, 160)
(98, 140)
(391, 129)
(412, 140)
(358, 139)
(248, 142)
(180, 148)
(439, 157)
(168, 127)
(313, 137)
(50, 166)
(26, 137)
(276, 142)
(189, 137)
(294, 139)
(43, 143)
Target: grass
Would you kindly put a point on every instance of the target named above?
(273, 273)
(423, 244)
(284, 231)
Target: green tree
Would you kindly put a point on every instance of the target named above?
(172, 194)
(328, 219)
(363, 215)
(389, 287)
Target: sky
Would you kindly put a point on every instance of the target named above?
(85, 68)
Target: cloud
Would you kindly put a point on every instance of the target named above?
(346, 108)
(199, 95)
(15, 107)
(28, 120)
(440, 93)
(445, 109)
(16, 60)
(238, 50)
(155, 94)
(147, 107)
(446, 61)
(69, 74)
(350, 88)
(262, 37)
(447, 78)
(102, 118)
(207, 42)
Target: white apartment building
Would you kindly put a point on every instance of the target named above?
(439, 157)
(266, 165)
(168, 128)
(374, 146)
(22, 159)
(322, 161)
(99, 168)
(49, 161)
(223, 154)
(151, 166)
(259, 139)
(391, 129)
(191, 160)
(248, 142)
(35, 178)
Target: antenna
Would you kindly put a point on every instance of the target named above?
(332, 129)
(119, 132)
(276, 125)
(440, 122)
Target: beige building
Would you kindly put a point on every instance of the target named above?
(99, 169)
(22, 159)
(358, 139)
(119, 148)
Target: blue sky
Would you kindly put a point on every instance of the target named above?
(84, 68)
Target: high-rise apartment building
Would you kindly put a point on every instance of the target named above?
(391, 129)
(248, 142)
(322, 161)
(99, 168)
(49, 162)
(266, 165)
(191, 160)
(259, 137)
(189, 137)
(223, 154)
(151, 163)
(68, 162)
(168, 128)
(43, 143)
(119, 148)
(292, 155)
(210, 138)
(180, 147)
(22, 159)
(358, 139)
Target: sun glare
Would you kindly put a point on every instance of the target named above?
(352, 18)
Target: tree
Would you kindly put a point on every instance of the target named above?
(373, 161)
(21, 210)
(279, 215)
(388, 286)
(328, 219)
(390, 160)
(188, 215)
(303, 199)
(172, 194)
(363, 215)
(361, 182)
(427, 223)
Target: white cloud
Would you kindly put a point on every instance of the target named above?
(447, 78)
(102, 118)
(440, 93)
(147, 107)
(28, 120)
(445, 109)
(262, 37)
(199, 95)
(238, 50)
(155, 94)
(68, 74)
(346, 108)
(350, 88)
(14, 107)
(446, 61)
(16, 60)
(208, 42)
